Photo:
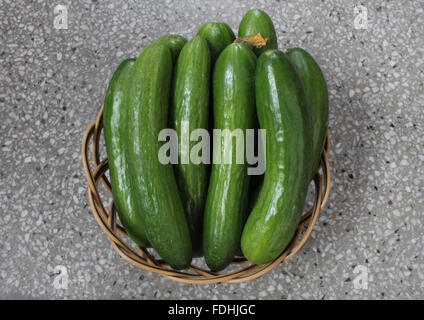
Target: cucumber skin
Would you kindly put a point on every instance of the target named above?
(153, 184)
(190, 102)
(234, 108)
(317, 94)
(114, 122)
(255, 21)
(218, 35)
(175, 43)
(284, 112)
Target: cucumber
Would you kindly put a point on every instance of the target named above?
(234, 108)
(175, 43)
(285, 114)
(114, 122)
(257, 21)
(317, 94)
(153, 184)
(190, 104)
(218, 35)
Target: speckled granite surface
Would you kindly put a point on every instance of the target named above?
(53, 82)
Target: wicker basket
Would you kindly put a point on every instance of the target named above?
(143, 258)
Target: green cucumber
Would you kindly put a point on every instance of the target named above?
(285, 114)
(218, 35)
(175, 43)
(257, 21)
(114, 123)
(190, 105)
(234, 108)
(153, 184)
(317, 94)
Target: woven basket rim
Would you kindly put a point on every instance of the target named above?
(142, 258)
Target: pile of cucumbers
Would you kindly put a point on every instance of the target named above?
(215, 81)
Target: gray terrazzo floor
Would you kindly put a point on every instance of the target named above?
(53, 82)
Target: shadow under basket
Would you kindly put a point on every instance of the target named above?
(241, 269)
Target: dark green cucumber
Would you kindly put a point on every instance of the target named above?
(285, 114)
(153, 184)
(218, 35)
(257, 21)
(317, 94)
(175, 43)
(234, 108)
(114, 123)
(190, 111)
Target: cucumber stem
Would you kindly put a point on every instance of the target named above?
(256, 41)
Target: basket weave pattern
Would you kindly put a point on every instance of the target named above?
(142, 258)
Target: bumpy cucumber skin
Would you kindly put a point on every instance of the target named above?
(175, 43)
(317, 94)
(234, 108)
(257, 21)
(284, 112)
(153, 183)
(218, 35)
(114, 123)
(190, 103)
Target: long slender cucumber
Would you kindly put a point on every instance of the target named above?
(152, 182)
(190, 111)
(316, 91)
(114, 123)
(285, 114)
(234, 109)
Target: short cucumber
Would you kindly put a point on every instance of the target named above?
(317, 94)
(234, 109)
(218, 35)
(257, 21)
(114, 123)
(175, 43)
(153, 183)
(190, 111)
(285, 114)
